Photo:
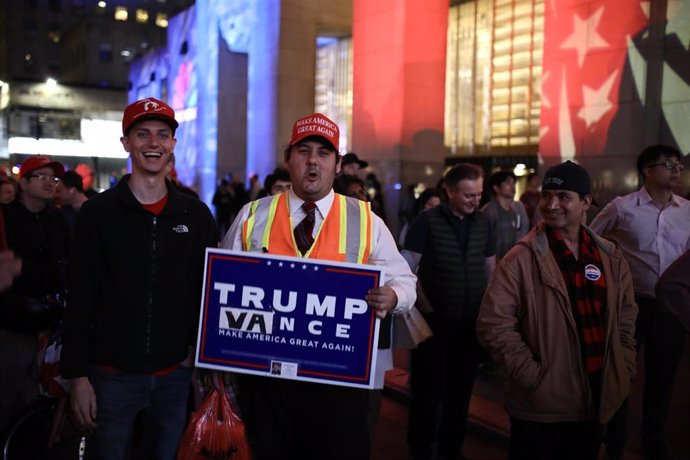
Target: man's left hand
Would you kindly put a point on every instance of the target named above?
(382, 299)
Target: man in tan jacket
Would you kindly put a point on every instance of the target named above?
(559, 318)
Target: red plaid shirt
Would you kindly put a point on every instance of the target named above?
(584, 278)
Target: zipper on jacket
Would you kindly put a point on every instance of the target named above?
(149, 312)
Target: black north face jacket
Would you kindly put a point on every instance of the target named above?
(135, 282)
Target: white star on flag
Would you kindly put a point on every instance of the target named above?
(585, 36)
(597, 101)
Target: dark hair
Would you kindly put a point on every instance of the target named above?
(343, 181)
(651, 155)
(319, 139)
(73, 179)
(275, 176)
(531, 176)
(462, 171)
(499, 178)
(420, 202)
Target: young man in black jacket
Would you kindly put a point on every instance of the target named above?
(136, 279)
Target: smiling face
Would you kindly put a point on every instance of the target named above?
(563, 210)
(465, 196)
(150, 144)
(312, 166)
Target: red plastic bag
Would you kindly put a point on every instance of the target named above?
(214, 432)
(49, 368)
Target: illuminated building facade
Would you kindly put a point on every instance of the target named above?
(418, 84)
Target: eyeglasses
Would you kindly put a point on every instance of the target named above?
(670, 165)
(45, 178)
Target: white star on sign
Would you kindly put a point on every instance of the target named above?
(304, 267)
(268, 263)
(292, 265)
(585, 36)
(596, 101)
(280, 264)
(316, 269)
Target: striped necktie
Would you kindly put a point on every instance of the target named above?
(303, 231)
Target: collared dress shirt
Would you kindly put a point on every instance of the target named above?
(651, 238)
(384, 253)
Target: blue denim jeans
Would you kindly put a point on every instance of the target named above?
(120, 396)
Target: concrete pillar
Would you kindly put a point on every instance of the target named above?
(282, 69)
(399, 58)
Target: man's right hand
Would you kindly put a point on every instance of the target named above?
(83, 402)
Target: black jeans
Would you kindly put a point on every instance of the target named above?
(664, 340)
(442, 371)
(554, 441)
(291, 419)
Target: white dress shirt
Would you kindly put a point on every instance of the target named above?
(384, 253)
(651, 238)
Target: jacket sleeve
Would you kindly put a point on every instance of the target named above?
(628, 315)
(82, 296)
(498, 327)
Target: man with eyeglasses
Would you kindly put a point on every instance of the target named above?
(37, 235)
(652, 226)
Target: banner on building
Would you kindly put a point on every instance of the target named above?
(288, 317)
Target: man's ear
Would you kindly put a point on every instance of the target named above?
(587, 202)
(125, 143)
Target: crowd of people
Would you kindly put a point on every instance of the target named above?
(561, 307)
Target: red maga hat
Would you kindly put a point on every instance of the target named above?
(316, 124)
(40, 161)
(145, 109)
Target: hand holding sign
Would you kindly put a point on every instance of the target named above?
(382, 299)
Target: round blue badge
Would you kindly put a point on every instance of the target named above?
(592, 272)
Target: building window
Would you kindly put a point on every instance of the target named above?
(29, 62)
(54, 35)
(55, 6)
(493, 76)
(162, 20)
(142, 15)
(105, 53)
(333, 92)
(121, 13)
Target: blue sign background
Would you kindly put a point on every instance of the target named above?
(298, 354)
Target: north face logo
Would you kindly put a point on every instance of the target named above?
(180, 229)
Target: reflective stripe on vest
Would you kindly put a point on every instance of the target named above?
(345, 235)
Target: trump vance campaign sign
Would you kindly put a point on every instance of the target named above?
(288, 317)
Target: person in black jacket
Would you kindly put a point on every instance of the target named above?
(135, 288)
(37, 235)
(451, 249)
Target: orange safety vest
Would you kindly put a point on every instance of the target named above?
(346, 233)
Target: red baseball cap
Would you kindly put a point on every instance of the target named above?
(148, 108)
(38, 162)
(316, 124)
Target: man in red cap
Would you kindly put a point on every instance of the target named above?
(37, 235)
(295, 418)
(135, 285)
